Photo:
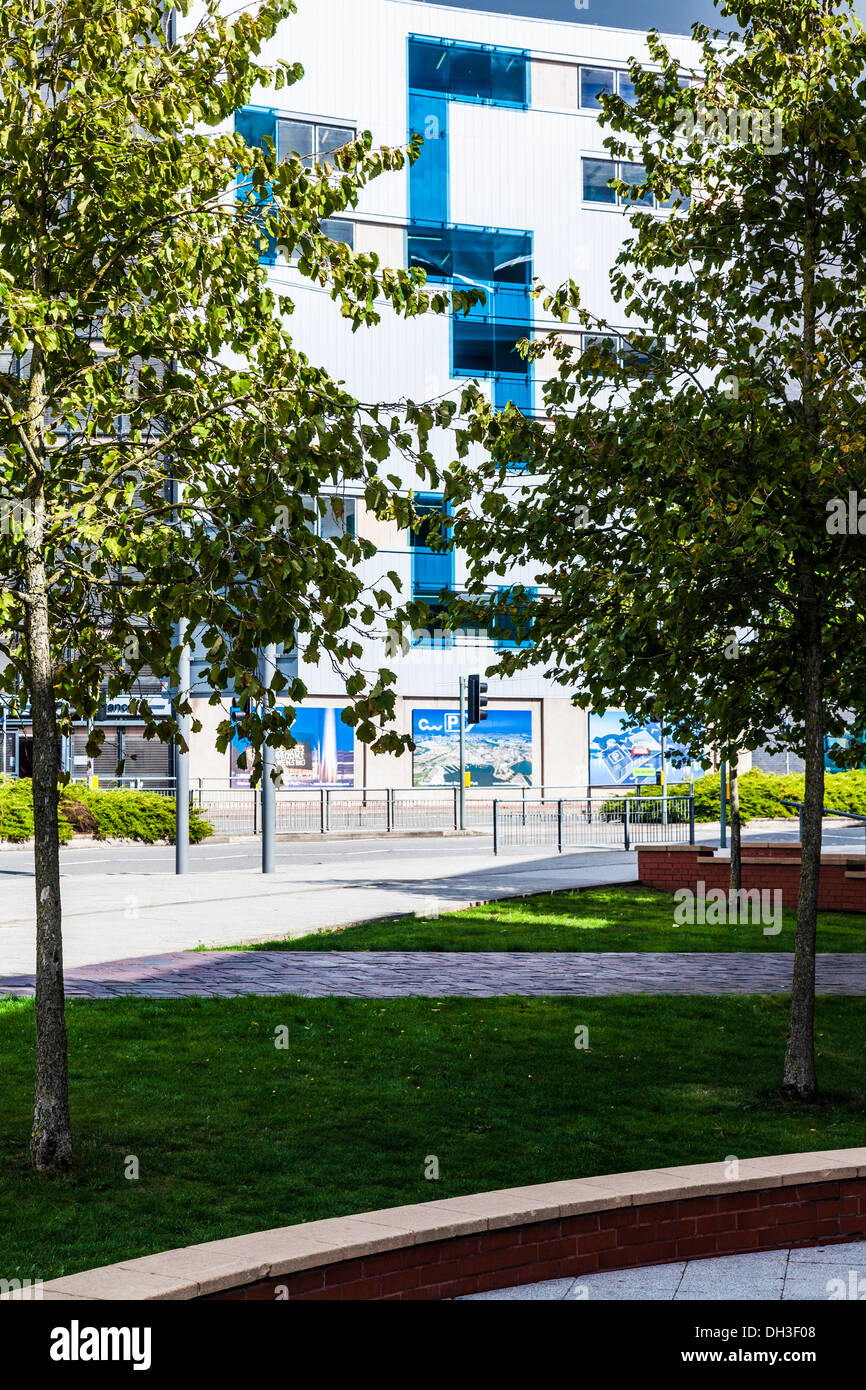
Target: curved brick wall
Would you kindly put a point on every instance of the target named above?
(518, 1235)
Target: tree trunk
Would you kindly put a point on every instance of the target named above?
(736, 851)
(51, 1139)
(800, 1080)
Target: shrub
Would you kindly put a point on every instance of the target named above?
(126, 815)
(760, 793)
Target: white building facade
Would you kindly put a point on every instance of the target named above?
(511, 185)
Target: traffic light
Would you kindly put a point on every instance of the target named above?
(476, 700)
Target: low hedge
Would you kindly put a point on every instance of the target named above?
(760, 793)
(122, 815)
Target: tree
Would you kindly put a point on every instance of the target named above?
(165, 445)
(682, 520)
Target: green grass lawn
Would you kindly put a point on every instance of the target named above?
(601, 919)
(233, 1135)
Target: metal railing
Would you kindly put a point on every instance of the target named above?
(526, 817)
(825, 811)
(585, 822)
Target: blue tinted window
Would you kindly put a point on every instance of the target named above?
(474, 348)
(508, 359)
(626, 89)
(432, 570)
(635, 174)
(432, 251)
(508, 77)
(339, 229)
(429, 66)
(596, 173)
(468, 73)
(472, 254)
(594, 81)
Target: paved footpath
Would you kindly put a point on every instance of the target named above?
(472, 974)
(819, 1272)
(110, 915)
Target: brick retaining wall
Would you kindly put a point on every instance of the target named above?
(516, 1235)
(658, 1233)
(842, 883)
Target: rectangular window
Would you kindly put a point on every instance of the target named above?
(626, 89)
(604, 348)
(597, 174)
(432, 570)
(472, 254)
(610, 350)
(339, 229)
(311, 140)
(468, 72)
(503, 630)
(474, 347)
(593, 82)
(634, 175)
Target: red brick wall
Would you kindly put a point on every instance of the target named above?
(842, 884)
(658, 1233)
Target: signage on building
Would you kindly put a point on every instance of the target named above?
(323, 755)
(498, 752)
(118, 708)
(620, 757)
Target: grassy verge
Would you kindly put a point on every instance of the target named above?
(233, 1135)
(604, 919)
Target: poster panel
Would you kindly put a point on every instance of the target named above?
(627, 756)
(323, 756)
(498, 751)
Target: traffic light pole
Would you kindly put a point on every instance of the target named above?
(462, 753)
(269, 786)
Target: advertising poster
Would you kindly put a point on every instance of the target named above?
(498, 751)
(324, 755)
(625, 757)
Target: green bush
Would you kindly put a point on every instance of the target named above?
(760, 793)
(122, 815)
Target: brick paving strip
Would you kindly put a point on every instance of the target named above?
(472, 974)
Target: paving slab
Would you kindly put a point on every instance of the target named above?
(762, 1277)
(437, 974)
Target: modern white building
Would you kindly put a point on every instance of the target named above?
(512, 183)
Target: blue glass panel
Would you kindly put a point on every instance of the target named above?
(429, 66)
(596, 173)
(473, 347)
(470, 73)
(256, 125)
(431, 571)
(520, 393)
(508, 77)
(635, 174)
(428, 176)
(506, 356)
(473, 254)
(626, 89)
(512, 257)
(594, 81)
(430, 249)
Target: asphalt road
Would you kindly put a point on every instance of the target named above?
(88, 859)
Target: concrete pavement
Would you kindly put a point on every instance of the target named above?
(109, 916)
(818, 1272)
